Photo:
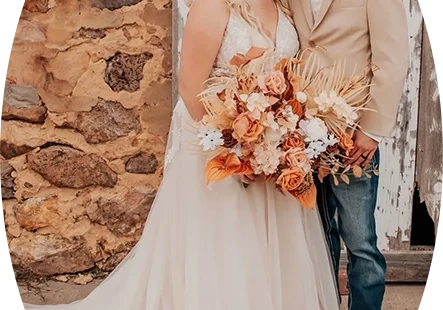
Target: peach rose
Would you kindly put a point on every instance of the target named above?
(274, 83)
(293, 141)
(246, 129)
(346, 143)
(291, 179)
(297, 158)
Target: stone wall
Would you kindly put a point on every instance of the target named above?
(84, 125)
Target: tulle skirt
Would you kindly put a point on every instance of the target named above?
(218, 247)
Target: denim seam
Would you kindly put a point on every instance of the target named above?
(349, 287)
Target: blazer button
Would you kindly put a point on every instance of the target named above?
(312, 44)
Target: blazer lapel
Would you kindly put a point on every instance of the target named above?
(307, 10)
(323, 10)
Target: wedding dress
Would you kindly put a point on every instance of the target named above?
(223, 246)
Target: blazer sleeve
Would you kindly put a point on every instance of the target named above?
(389, 40)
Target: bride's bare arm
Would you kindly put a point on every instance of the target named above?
(202, 38)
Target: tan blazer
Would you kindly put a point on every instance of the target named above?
(363, 32)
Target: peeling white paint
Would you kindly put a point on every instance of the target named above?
(437, 187)
(435, 124)
(394, 211)
(433, 79)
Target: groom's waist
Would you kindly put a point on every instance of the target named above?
(354, 62)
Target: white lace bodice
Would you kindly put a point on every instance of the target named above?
(239, 37)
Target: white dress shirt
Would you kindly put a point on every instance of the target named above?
(316, 5)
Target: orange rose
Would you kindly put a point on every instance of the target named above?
(296, 157)
(306, 192)
(225, 165)
(291, 179)
(246, 129)
(346, 143)
(297, 108)
(274, 83)
(293, 141)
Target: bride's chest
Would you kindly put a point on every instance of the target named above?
(239, 37)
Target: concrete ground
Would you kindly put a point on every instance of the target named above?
(398, 297)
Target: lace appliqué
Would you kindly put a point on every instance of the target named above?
(170, 153)
(175, 137)
(239, 37)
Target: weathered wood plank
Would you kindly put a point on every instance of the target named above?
(430, 150)
(402, 267)
(397, 169)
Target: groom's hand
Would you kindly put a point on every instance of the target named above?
(363, 151)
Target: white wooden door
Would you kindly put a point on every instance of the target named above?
(397, 169)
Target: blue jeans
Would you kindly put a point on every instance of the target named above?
(355, 206)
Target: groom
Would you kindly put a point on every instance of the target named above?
(363, 32)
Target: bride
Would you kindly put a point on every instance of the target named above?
(224, 247)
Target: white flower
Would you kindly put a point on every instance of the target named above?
(210, 138)
(331, 140)
(288, 120)
(266, 158)
(315, 148)
(323, 101)
(269, 121)
(257, 101)
(255, 114)
(301, 97)
(273, 132)
(243, 97)
(274, 135)
(313, 129)
(338, 104)
(344, 110)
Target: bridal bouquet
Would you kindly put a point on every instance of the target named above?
(282, 123)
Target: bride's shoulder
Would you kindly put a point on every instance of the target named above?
(208, 11)
(220, 6)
